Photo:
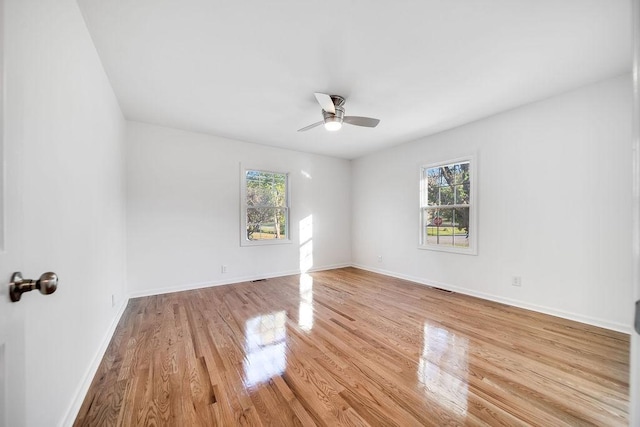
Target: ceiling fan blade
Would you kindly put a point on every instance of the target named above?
(325, 102)
(361, 121)
(311, 126)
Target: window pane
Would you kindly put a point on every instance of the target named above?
(461, 241)
(279, 189)
(463, 177)
(438, 227)
(266, 223)
(462, 219)
(460, 227)
(257, 193)
(448, 185)
(443, 179)
(455, 173)
(462, 194)
(266, 188)
(447, 195)
(446, 227)
(433, 186)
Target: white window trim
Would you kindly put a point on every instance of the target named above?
(473, 207)
(243, 210)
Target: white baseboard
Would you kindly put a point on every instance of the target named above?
(615, 326)
(230, 281)
(81, 391)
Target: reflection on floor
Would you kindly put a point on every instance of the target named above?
(264, 348)
(305, 310)
(443, 368)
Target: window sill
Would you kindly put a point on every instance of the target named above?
(266, 242)
(466, 251)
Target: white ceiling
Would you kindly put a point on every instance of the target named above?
(248, 69)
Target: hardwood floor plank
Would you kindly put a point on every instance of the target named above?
(348, 347)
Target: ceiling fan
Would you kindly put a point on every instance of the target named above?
(333, 114)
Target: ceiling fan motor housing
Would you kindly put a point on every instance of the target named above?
(338, 101)
(337, 117)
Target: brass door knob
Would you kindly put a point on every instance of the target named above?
(46, 284)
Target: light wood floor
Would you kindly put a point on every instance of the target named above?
(349, 347)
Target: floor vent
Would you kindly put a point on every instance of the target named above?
(259, 280)
(447, 291)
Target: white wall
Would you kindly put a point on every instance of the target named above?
(183, 210)
(554, 188)
(65, 116)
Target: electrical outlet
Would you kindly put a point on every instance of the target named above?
(223, 269)
(379, 258)
(516, 281)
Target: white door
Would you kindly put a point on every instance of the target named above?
(12, 369)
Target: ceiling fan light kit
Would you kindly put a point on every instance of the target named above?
(333, 114)
(332, 124)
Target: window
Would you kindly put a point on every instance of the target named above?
(447, 212)
(265, 209)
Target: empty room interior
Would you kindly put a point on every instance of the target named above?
(328, 213)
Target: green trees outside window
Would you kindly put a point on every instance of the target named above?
(267, 205)
(446, 205)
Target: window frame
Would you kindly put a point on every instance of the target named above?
(244, 241)
(472, 249)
